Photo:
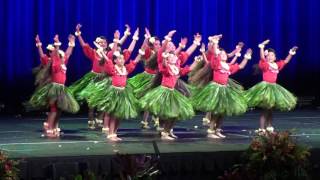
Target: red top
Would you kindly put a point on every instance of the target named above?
(126, 55)
(58, 69)
(269, 71)
(94, 57)
(169, 75)
(44, 59)
(222, 72)
(119, 80)
(146, 56)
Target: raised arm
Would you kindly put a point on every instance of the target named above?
(292, 52)
(135, 38)
(139, 56)
(71, 45)
(247, 57)
(196, 42)
(238, 48)
(215, 44)
(116, 40)
(236, 56)
(102, 54)
(261, 46)
(182, 45)
(39, 46)
(126, 35)
(203, 53)
(195, 63)
(167, 38)
(78, 34)
(56, 44)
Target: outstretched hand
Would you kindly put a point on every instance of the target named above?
(184, 41)
(171, 33)
(266, 42)
(136, 32)
(71, 38)
(116, 34)
(78, 27)
(56, 38)
(203, 48)
(37, 38)
(197, 37)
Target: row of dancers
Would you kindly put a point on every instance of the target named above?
(158, 91)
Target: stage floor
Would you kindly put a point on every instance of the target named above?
(21, 136)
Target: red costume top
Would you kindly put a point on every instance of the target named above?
(58, 68)
(126, 55)
(119, 75)
(94, 57)
(270, 70)
(147, 55)
(171, 73)
(221, 70)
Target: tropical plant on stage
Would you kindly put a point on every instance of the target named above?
(272, 156)
(8, 168)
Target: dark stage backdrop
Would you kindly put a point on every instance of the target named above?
(286, 23)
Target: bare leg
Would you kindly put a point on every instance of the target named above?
(172, 123)
(263, 119)
(117, 124)
(51, 120)
(218, 126)
(269, 118)
(145, 116)
(90, 114)
(160, 126)
(144, 122)
(166, 131)
(213, 127)
(206, 119)
(91, 122)
(106, 122)
(219, 122)
(99, 119)
(114, 124)
(111, 125)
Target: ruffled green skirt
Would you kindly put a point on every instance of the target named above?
(95, 86)
(81, 84)
(220, 100)
(141, 83)
(270, 96)
(118, 102)
(54, 92)
(167, 104)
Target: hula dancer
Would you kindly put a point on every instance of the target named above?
(164, 101)
(267, 94)
(203, 74)
(54, 95)
(117, 101)
(142, 82)
(83, 88)
(218, 97)
(104, 85)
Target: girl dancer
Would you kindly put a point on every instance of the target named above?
(202, 74)
(142, 82)
(267, 94)
(82, 88)
(217, 97)
(117, 100)
(164, 101)
(55, 95)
